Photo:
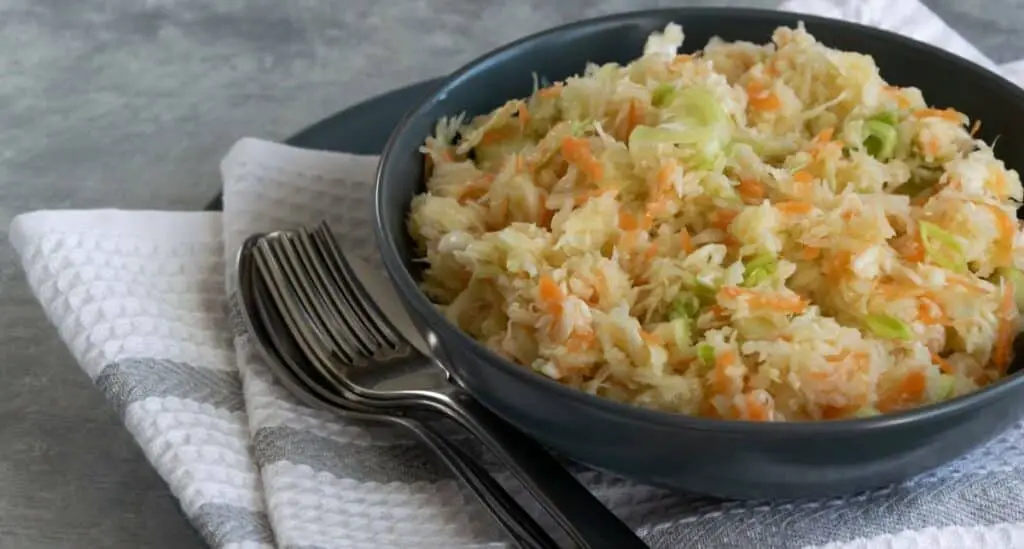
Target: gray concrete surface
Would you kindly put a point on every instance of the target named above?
(130, 104)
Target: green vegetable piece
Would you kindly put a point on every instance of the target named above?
(881, 139)
(663, 95)
(681, 332)
(888, 117)
(685, 305)
(947, 387)
(888, 326)
(706, 293)
(706, 353)
(760, 268)
(696, 105)
(942, 247)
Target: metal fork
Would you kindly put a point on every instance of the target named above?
(343, 332)
(281, 354)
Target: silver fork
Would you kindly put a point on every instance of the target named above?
(287, 363)
(343, 332)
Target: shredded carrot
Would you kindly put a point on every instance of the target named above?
(576, 151)
(627, 221)
(810, 252)
(756, 411)
(943, 364)
(652, 251)
(999, 183)
(633, 118)
(720, 379)
(1001, 354)
(721, 219)
(685, 242)
(1007, 233)
(930, 312)
(751, 190)
(664, 178)
(551, 294)
(524, 115)
(681, 59)
(897, 94)
(761, 99)
(628, 240)
(647, 222)
(837, 265)
(650, 338)
(975, 127)
(657, 208)
(802, 181)
(759, 300)
(931, 147)
(824, 136)
(551, 91)
(964, 283)
(581, 341)
(794, 207)
(913, 251)
(908, 392)
(951, 115)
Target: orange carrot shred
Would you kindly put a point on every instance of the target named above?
(794, 207)
(975, 127)
(685, 242)
(524, 115)
(627, 221)
(751, 189)
(810, 252)
(943, 364)
(551, 294)
(945, 114)
(576, 151)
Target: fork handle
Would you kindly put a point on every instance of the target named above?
(507, 511)
(584, 518)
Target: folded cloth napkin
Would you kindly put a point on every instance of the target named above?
(145, 302)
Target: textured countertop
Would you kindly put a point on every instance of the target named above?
(121, 103)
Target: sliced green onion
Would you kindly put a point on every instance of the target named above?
(663, 95)
(888, 117)
(685, 305)
(706, 293)
(880, 140)
(681, 332)
(888, 327)
(706, 353)
(759, 269)
(947, 387)
(942, 247)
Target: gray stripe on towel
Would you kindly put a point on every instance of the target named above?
(134, 379)
(395, 462)
(968, 500)
(221, 524)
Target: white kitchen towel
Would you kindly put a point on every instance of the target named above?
(139, 298)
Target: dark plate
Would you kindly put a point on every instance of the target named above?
(724, 458)
(360, 129)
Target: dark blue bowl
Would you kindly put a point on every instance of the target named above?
(716, 457)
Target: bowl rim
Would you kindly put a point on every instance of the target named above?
(414, 298)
